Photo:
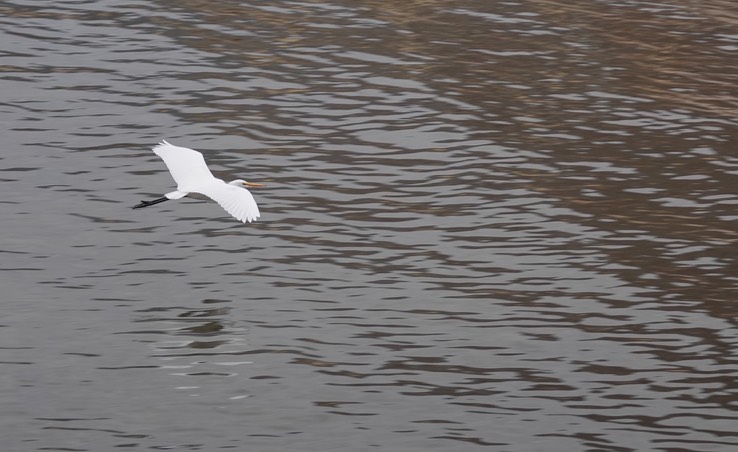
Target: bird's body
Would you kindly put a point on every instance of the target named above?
(192, 175)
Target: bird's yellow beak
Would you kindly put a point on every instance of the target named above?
(251, 184)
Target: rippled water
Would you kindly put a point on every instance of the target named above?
(503, 226)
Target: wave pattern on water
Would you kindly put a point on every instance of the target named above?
(490, 226)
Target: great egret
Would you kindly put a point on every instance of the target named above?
(192, 175)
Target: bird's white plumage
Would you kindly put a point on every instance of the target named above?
(192, 175)
(187, 166)
(235, 200)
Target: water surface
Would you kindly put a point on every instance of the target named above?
(502, 226)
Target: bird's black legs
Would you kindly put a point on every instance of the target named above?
(150, 203)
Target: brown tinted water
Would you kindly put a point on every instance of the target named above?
(505, 226)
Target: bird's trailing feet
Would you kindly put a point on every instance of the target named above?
(150, 203)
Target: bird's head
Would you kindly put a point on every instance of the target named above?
(243, 183)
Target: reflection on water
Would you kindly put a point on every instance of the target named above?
(505, 226)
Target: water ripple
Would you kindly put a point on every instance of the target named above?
(500, 226)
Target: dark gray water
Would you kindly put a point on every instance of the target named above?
(504, 226)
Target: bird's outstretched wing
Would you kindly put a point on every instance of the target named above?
(187, 166)
(235, 200)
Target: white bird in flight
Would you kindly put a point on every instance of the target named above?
(192, 175)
